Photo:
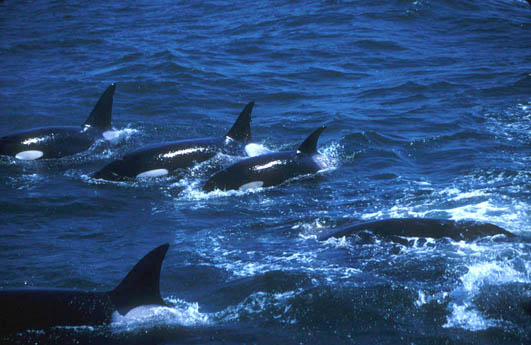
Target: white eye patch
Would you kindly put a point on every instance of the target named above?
(29, 155)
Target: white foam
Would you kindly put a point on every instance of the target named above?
(469, 195)
(467, 317)
(397, 211)
(117, 135)
(463, 313)
(110, 135)
(29, 155)
(421, 300)
(26, 181)
(276, 304)
(192, 191)
(153, 173)
(492, 272)
(340, 242)
(511, 124)
(251, 263)
(322, 161)
(481, 211)
(329, 156)
(313, 227)
(253, 150)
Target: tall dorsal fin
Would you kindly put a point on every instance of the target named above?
(309, 145)
(141, 286)
(100, 117)
(241, 130)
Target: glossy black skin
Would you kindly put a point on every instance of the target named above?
(272, 169)
(57, 142)
(54, 142)
(170, 156)
(180, 154)
(421, 227)
(44, 308)
(38, 309)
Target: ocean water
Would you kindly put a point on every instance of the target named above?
(428, 112)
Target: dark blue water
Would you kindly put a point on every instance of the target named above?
(428, 108)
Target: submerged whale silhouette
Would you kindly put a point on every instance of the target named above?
(163, 159)
(269, 169)
(526, 306)
(22, 309)
(420, 227)
(57, 142)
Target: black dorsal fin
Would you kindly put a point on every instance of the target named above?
(100, 116)
(141, 286)
(241, 130)
(309, 145)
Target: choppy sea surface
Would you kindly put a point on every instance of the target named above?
(428, 112)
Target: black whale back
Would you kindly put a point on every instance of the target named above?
(22, 309)
(37, 309)
(60, 141)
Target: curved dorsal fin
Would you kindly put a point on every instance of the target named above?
(100, 116)
(141, 286)
(309, 145)
(241, 130)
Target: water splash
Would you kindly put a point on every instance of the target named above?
(254, 150)
(463, 312)
(180, 313)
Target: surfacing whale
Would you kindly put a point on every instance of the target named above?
(269, 169)
(57, 142)
(37, 309)
(163, 159)
(420, 227)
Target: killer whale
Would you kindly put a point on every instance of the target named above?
(420, 227)
(269, 169)
(57, 142)
(163, 159)
(24, 309)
